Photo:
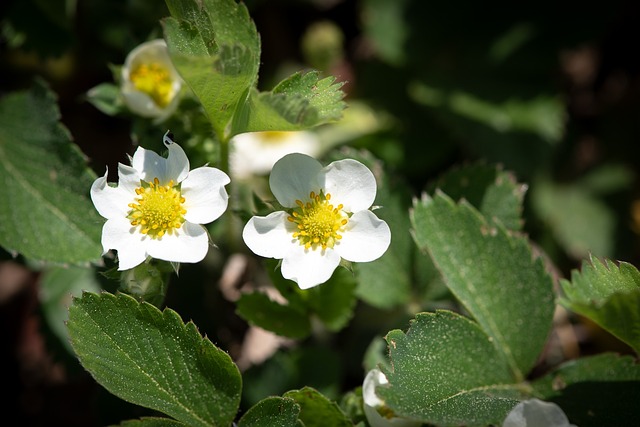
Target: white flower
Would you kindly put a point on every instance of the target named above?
(374, 407)
(326, 219)
(150, 83)
(158, 206)
(255, 153)
(536, 413)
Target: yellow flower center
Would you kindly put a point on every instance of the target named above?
(158, 209)
(154, 80)
(319, 222)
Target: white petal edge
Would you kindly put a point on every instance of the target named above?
(308, 267)
(110, 202)
(350, 183)
(205, 196)
(118, 234)
(536, 413)
(151, 165)
(140, 103)
(190, 244)
(269, 236)
(293, 177)
(366, 238)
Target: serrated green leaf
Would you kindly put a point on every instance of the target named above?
(151, 422)
(299, 102)
(596, 391)
(609, 295)
(492, 273)
(46, 213)
(494, 192)
(317, 410)
(285, 320)
(272, 411)
(57, 287)
(153, 359)
(446, 371)
(334, 301)
(216, 49)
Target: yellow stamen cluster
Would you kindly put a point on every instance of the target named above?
(319, 222)
(154, 80)
(274, 137)
(158, 209)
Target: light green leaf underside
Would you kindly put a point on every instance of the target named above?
(46, 213)
(151, 358)
(446, 371)
(608, 294)
(299, 102)
(492, 273)
(317, 410)
(270, 412)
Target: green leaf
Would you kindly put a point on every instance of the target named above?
(272, 411)
(317, 410)
(446, 371)
(596, 391)
(106, 98)
(151, 358)
(57, 287)
(492, 273)
(286, 320)
(494, 192)
(216, 48)
(46, 213)
(334, 301)
(151, 422)
(299, 102)
(609, 295)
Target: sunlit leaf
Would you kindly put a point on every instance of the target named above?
(153, 359)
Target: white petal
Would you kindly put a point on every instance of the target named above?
(293, 177)
(366, 238)
(189, 243)
(150, 165)
(351, 183)
(128, 179)
(270, 236)
(110, 202)
(118, 234)
(139, 102)
(536, 413)
(205, 196)
(177, 162)
(308, 267)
